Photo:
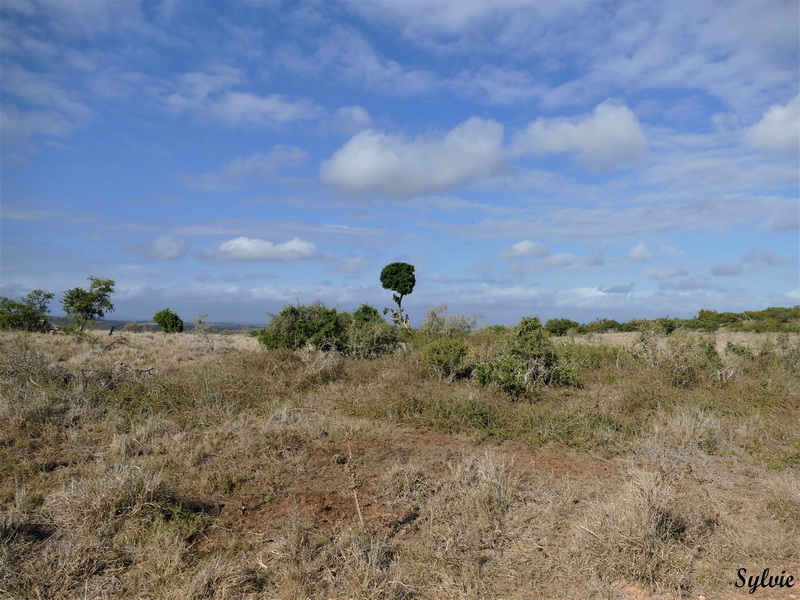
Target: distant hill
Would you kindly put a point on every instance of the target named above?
(118, 324)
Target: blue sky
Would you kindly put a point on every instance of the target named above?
(561, 159)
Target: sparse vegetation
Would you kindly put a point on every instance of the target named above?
(332, 462)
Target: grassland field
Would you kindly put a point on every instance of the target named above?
(160, 466)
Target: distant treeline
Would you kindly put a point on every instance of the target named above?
(774, 319)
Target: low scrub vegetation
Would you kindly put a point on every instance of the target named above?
(363, 334)
(333, 455)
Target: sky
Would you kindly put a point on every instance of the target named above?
(577, 159)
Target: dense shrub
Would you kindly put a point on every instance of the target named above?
(168, 321)
(363, 334)
(370, 338)
(685, 360)
(366, 314)
(27, 314)
(446, 356)
(506, 373)
(530, 358)
(711, 320)
(559, 327)
(297, 326)
(603, 326)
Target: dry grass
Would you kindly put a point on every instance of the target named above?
(147, 465)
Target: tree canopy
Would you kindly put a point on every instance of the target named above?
(398, 277)
(84, 306)
(27, 314)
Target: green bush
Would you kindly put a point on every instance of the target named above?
(446, 356)
(363, 334)
(532, 345)
(84, 306)
(367, 314)
(602, 326)
(683, 359)
(370, 338)
(529, 358)
(168, 321)
(27, 314)
(506, 373)
(297, 326)
(559, 327)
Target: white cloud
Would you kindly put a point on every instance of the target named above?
(560, 260)
(262, 165)
(209, 95)
(695, 282)
(166, 247)
(750, 261)
(241, 108)
(44, 109)
(351, 119)
(351, 264)
(345, 54)
(496, 85)
(727, 269)
(248, 249)
(779, 129)
(609, 138)
(390, 165)
(658, 274)
(525, 249)
(639, 253)
(672, 212)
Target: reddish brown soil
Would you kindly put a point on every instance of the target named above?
(325, 488)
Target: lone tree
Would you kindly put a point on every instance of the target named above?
(168, 321)
(27, 314)
(398, 277)
(84, 306)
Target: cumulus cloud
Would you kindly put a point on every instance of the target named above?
(778, 131)
(166, 247)
(609, 138)
(351, 119)
(390, 165)
(249, 249)
(639, 253)
(525, 249)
